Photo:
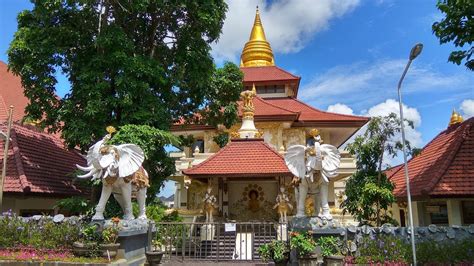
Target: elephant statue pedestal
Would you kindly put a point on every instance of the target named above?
(133, 239)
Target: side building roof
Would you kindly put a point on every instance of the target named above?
(39, 163)
(444, 168)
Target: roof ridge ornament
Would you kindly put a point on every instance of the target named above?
(257, 51)
(456, 118)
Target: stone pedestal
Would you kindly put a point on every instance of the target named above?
(133, 239)
(208, 231)
(282, 232)
(319, 226)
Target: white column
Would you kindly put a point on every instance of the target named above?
(454, 212)
(417, 209)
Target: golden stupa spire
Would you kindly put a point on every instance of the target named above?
(257, 51)
(455, 118)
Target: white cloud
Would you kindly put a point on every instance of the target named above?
(289, 24)
(367, 83)
(409, 113)
(385, 108)
(467, 108)
(340, 109)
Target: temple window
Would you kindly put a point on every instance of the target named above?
(267, 89)
(199, 143)
(438, 213)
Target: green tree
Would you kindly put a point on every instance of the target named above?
(457, 27)
(369, 193)
(128, 62)
(152, 141)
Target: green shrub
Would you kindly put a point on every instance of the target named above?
(276, 251)
(330, 245)
(383, 248)
(445, 252)
(16, 231)
(303, 243)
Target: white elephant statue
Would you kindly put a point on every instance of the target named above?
(307, 162)
(121, 171)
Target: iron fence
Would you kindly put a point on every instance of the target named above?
(181, 241)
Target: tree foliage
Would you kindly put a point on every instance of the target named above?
(152, 141)
(369, 193)
(457, 27)
(128, 62)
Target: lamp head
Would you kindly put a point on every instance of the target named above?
(416, 50)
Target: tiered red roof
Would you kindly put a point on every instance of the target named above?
(266, 111)
(39, 163)
(242, 158)
(267, 73)
(11, 93)
(444, 168)
(310, 116)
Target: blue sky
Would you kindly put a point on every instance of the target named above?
(349, 53)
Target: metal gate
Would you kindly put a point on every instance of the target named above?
(240, 241)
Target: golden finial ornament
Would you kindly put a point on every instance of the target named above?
(257, 51)
(314, 132)
(110, 129)
(456, 118)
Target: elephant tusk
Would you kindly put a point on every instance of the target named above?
(85, 169)
(86, 175)
(89, 174)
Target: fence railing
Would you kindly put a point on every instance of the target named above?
(216, 241)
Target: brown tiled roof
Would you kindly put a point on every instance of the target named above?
(11, 93)
(310, 116)
(445, 166)
(265, 110)
(267, 73)
(39, 163)
(242, 158)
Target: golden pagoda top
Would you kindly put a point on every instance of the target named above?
(257, 51)
(455, 118)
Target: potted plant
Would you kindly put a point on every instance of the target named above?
(276, 251)
(154, 255)
(305, 247)
(86, 246)
(331, 250)
(109, 247)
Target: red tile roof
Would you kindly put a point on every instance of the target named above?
(11, 93)
(310, 116)
(242, 158)
(267, 73)
(266, 111)
(38, 163)
(445, 166)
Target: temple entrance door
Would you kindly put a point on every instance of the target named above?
(252, 200)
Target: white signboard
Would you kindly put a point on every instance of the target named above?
(230, 227)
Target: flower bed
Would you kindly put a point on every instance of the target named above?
(48, 239)
(29, 254)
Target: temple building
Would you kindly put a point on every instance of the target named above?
(441, 179)
(245, 174)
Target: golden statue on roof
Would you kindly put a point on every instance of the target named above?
(247, 101)
(257, 51)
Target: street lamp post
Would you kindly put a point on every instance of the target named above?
(415, 51)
